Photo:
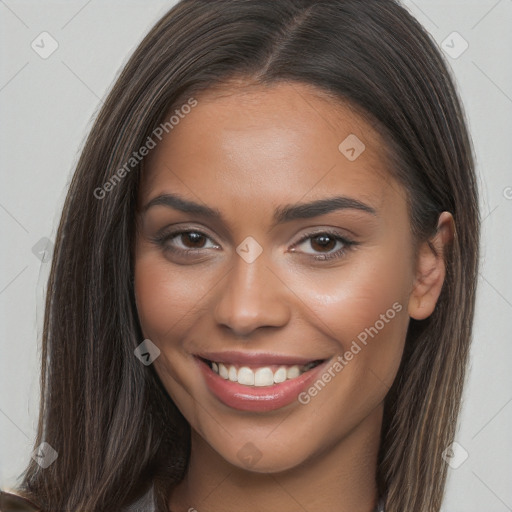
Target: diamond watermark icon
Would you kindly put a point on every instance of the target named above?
(43, 249)
(455, 455)
(44, 45)
(249, 455)
(249, 250)
(147, 352)
(454, 45)
(352, 147)
(44, 455)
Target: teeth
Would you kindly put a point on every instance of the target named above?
(232, 374)
(280, 375)
(245, 376)
(223, 371)
(292, 372)
(262, 376)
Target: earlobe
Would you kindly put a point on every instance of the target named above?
(431, 269)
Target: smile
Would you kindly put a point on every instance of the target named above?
(262, 376)
(253, 383)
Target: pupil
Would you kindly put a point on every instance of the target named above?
(193, 238)
(324, 241)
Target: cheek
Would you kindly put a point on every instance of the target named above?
(352, 297)
(166, 295)
(362, 307)
(166, 299)
(153, 294)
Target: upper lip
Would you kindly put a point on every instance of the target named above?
(256, 358)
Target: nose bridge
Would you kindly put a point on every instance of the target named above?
(252, 295)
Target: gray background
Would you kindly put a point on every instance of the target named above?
(46, 109)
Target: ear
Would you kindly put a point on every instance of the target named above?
(431, 269)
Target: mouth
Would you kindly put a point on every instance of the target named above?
(258, 383)
(260, 376)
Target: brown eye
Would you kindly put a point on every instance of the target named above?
(185, 242)
(324, 245)
(192, 239)
(323, 242)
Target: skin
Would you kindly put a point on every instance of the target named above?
(246, 150)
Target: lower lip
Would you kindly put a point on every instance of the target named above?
(256, 398)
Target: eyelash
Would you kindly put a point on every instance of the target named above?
(162, 239)
(347, 244)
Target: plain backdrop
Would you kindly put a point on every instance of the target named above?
(46, 108)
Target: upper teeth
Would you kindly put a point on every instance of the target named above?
(261, 376)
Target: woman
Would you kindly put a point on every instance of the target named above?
(263, 285)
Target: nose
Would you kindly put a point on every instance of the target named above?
(253, 296)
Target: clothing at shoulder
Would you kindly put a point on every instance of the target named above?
(10, 502)
(145, 504)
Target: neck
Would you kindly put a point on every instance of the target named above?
(339, 479)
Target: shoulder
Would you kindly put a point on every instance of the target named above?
(10, 502)
(144, 504)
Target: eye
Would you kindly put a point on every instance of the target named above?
(184, 241)
(324, 245)
(321, 245)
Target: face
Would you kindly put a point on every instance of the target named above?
(273, 270)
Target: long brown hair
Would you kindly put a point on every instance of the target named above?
(114, 427)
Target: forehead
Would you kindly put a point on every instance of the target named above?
(282, 142)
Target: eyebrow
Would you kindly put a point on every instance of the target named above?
(282, 214)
